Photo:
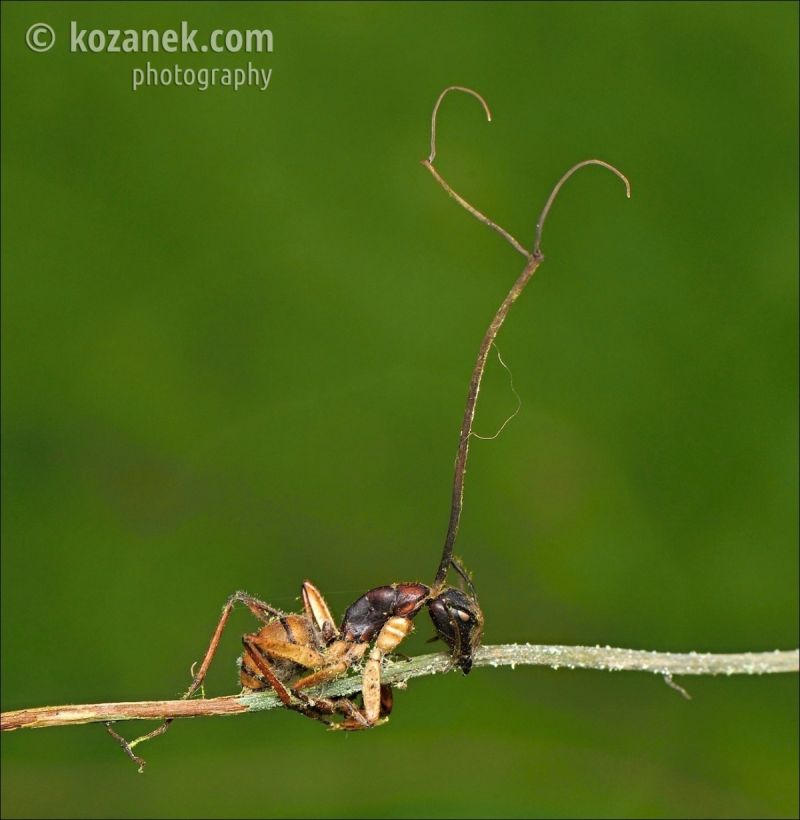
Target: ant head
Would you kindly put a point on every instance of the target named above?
(458, 621)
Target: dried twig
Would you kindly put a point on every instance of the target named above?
(396, 672)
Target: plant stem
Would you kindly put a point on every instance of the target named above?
(399, 672)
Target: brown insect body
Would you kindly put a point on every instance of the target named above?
(289, 643)
(366, 616)
(293, 652)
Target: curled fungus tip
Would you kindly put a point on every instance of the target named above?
(559, 185)
(444, 93)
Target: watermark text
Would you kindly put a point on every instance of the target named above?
(201, 78)
(172, 41)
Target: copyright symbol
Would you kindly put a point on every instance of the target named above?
(40, 37)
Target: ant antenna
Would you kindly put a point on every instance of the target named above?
(533, 260)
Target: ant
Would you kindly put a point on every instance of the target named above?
(289, 645)
(293, 652)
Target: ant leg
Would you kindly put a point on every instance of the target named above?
(126, 747)
(306, 706)
(260, 609)
(356, 719)
(263, 611)
(316, 708)
(318, 614)
(387, 699)
(465, 576)
(390, 636)
(294, 648)
(269, 678)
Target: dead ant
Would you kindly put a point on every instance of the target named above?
(289, 645)
(293, 652)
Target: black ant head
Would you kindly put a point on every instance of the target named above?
(458, 621)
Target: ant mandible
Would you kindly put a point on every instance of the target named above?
(292, 652)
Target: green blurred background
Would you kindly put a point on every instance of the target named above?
(237, 334)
